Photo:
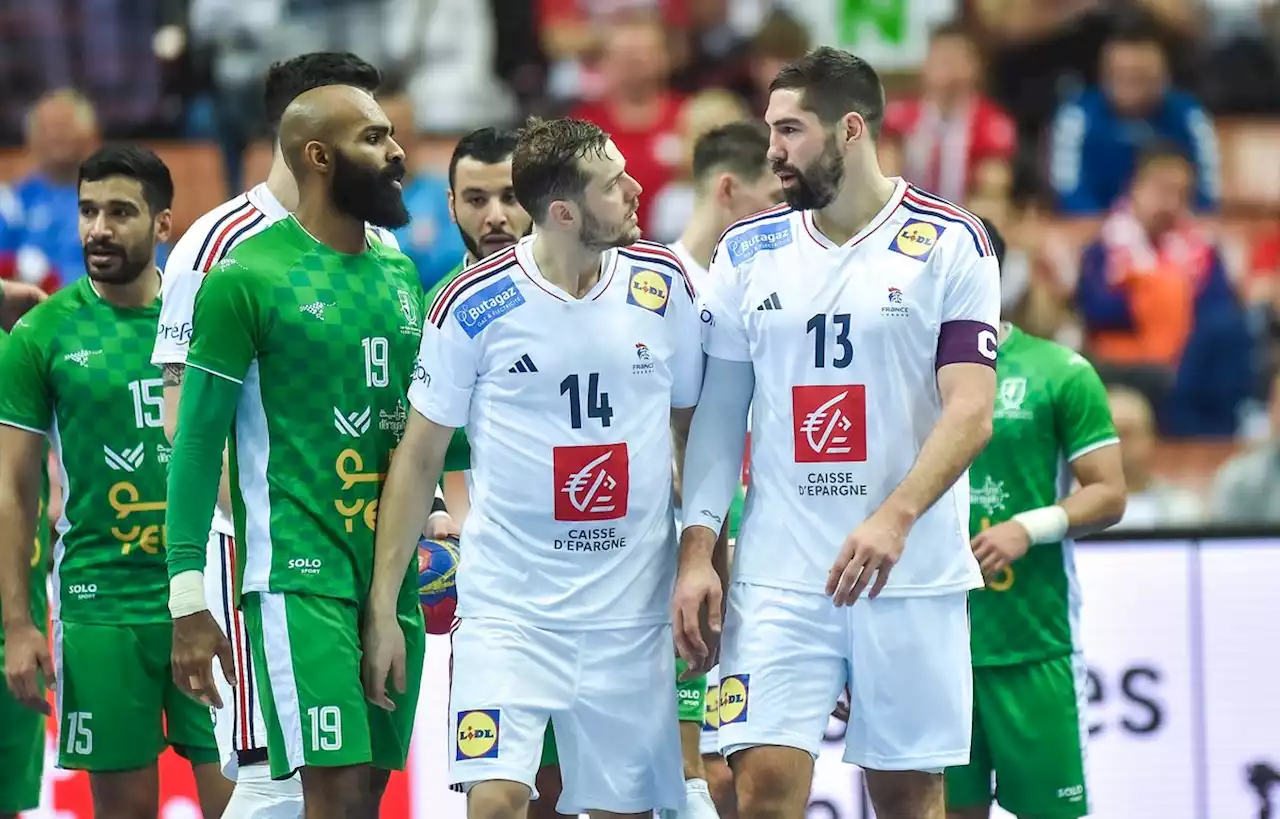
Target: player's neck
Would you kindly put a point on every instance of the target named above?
(699, 238)
(859, 200)
(328, 226)
(566, 264)
(136, 294)
(281, 183)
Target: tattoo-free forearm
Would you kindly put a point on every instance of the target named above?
(19, 507)
(955, 440)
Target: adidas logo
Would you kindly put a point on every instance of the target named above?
(125, 461)
(354, 424)
(771, 303)
(523, 365)
(81, 357)
(315, 308)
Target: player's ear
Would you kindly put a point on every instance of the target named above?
(453, 211)
(317, 156)
(163, 226)
(725, 187)
(561, 212)
(852, 127)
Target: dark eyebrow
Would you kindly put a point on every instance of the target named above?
(786, 121)
(122, 203)
(616, 177)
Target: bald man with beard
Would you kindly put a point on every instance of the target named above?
(302, 349)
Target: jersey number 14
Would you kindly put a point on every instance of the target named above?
(597, 402)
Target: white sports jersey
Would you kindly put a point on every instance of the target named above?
(845, 343)
(697, 272)
(207, 242)
(567, 406)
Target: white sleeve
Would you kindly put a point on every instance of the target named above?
(713, 456)
(686, 344)
(724, 330)
(444, 375)
(178, 286)
(970, 308)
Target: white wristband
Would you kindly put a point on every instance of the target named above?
(1048, 524)
(186, 594)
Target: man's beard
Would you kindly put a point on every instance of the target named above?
(369, 195)
(128, 265)
(596, 235)
(473, 245)
(816, 186)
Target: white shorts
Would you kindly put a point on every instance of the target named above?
(786, 656)
(608, 693)
(709, 743)
(258, 796)
(238, 724)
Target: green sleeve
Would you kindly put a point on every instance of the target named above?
(26, 399)
(227, 322)
(195, 467)
(1082, 413)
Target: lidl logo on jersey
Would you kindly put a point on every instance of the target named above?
(735, 694)
(126, 460)
(990, 495)
(478, 734)
(591, 482)
(1009, 397)
(81, 357)
(412, 322)
(486, 306)
(649, 289)
(645, 365)
(354, 424)
(830, 423)
(769, 236)
(917, 239)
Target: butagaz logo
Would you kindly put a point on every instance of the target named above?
(744, 246)
(126, 460)
(895, 308)
(488, 305)
(354, 424)
(1009, 397)
(990, 495)
(645, 358)
(306, 565)
(394, 420)
(81, 357)
(163, 453)
(177, 333)
(830, 423)
(592, 482)
(523, 364)
(315, 308)
(420, 373)
(917, 239)
(771, 303)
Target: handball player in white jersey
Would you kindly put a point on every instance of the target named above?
(569, 358)
(859, 327)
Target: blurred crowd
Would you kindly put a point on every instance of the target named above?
(1093, 132)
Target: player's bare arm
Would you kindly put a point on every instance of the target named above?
(403, 509)
(968, 393)
(26, 654)
(1097, 504)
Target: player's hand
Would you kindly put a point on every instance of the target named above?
(441, 525)
(26, 658)
(997, 547)
(196, 641)
(870, 551)
(19, 297)
(697, 591)
(384, 655)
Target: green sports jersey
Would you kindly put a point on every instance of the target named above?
(458, 457)
(323, 344)
(1051, 408)
(78, 369)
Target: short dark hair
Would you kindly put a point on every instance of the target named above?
(1135, 28)
(832, 83)
(487, 145)
(546, 163)
(741, 148)
(288, 79)
(134, 162)
(1161, 150)
(997, 241)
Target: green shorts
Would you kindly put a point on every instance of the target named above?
(21, 753)
(117, 704)
(306, 655)
(690, 695)
(1028, 730)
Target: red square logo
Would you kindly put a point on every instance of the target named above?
(592, 482)
(829, 423)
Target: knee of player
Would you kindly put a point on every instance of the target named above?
(769, 784)
(497, 799)
(720, 784)
(904, 793)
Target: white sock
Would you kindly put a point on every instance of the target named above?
(698, 804)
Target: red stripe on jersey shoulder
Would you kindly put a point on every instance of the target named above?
(446, 296)
(652, 251)
(223, 229)
(952, 212)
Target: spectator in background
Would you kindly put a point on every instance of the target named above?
(673, 206)
(1152, 503)
(636, 109)
(951, 140)
(1246, 490)
(1098, 137)
(781, 39)
(1153, 288)
(42, 236)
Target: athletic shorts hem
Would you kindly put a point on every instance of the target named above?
(1067, 812)
(759, 740)
(968, 584)
(930, 763)
(91, 767)
(493, 773)
(578, 807)
(198, 755)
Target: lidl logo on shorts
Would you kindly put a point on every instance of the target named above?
(478, 734)
(769, 236)
(917, 239)
(488, 305)
(649, 289)
(734, 692)
(711, 713)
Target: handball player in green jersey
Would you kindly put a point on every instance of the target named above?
(77, 371)
(1051, 424)
(302, 347)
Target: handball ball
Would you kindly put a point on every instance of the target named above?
(437, 567)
